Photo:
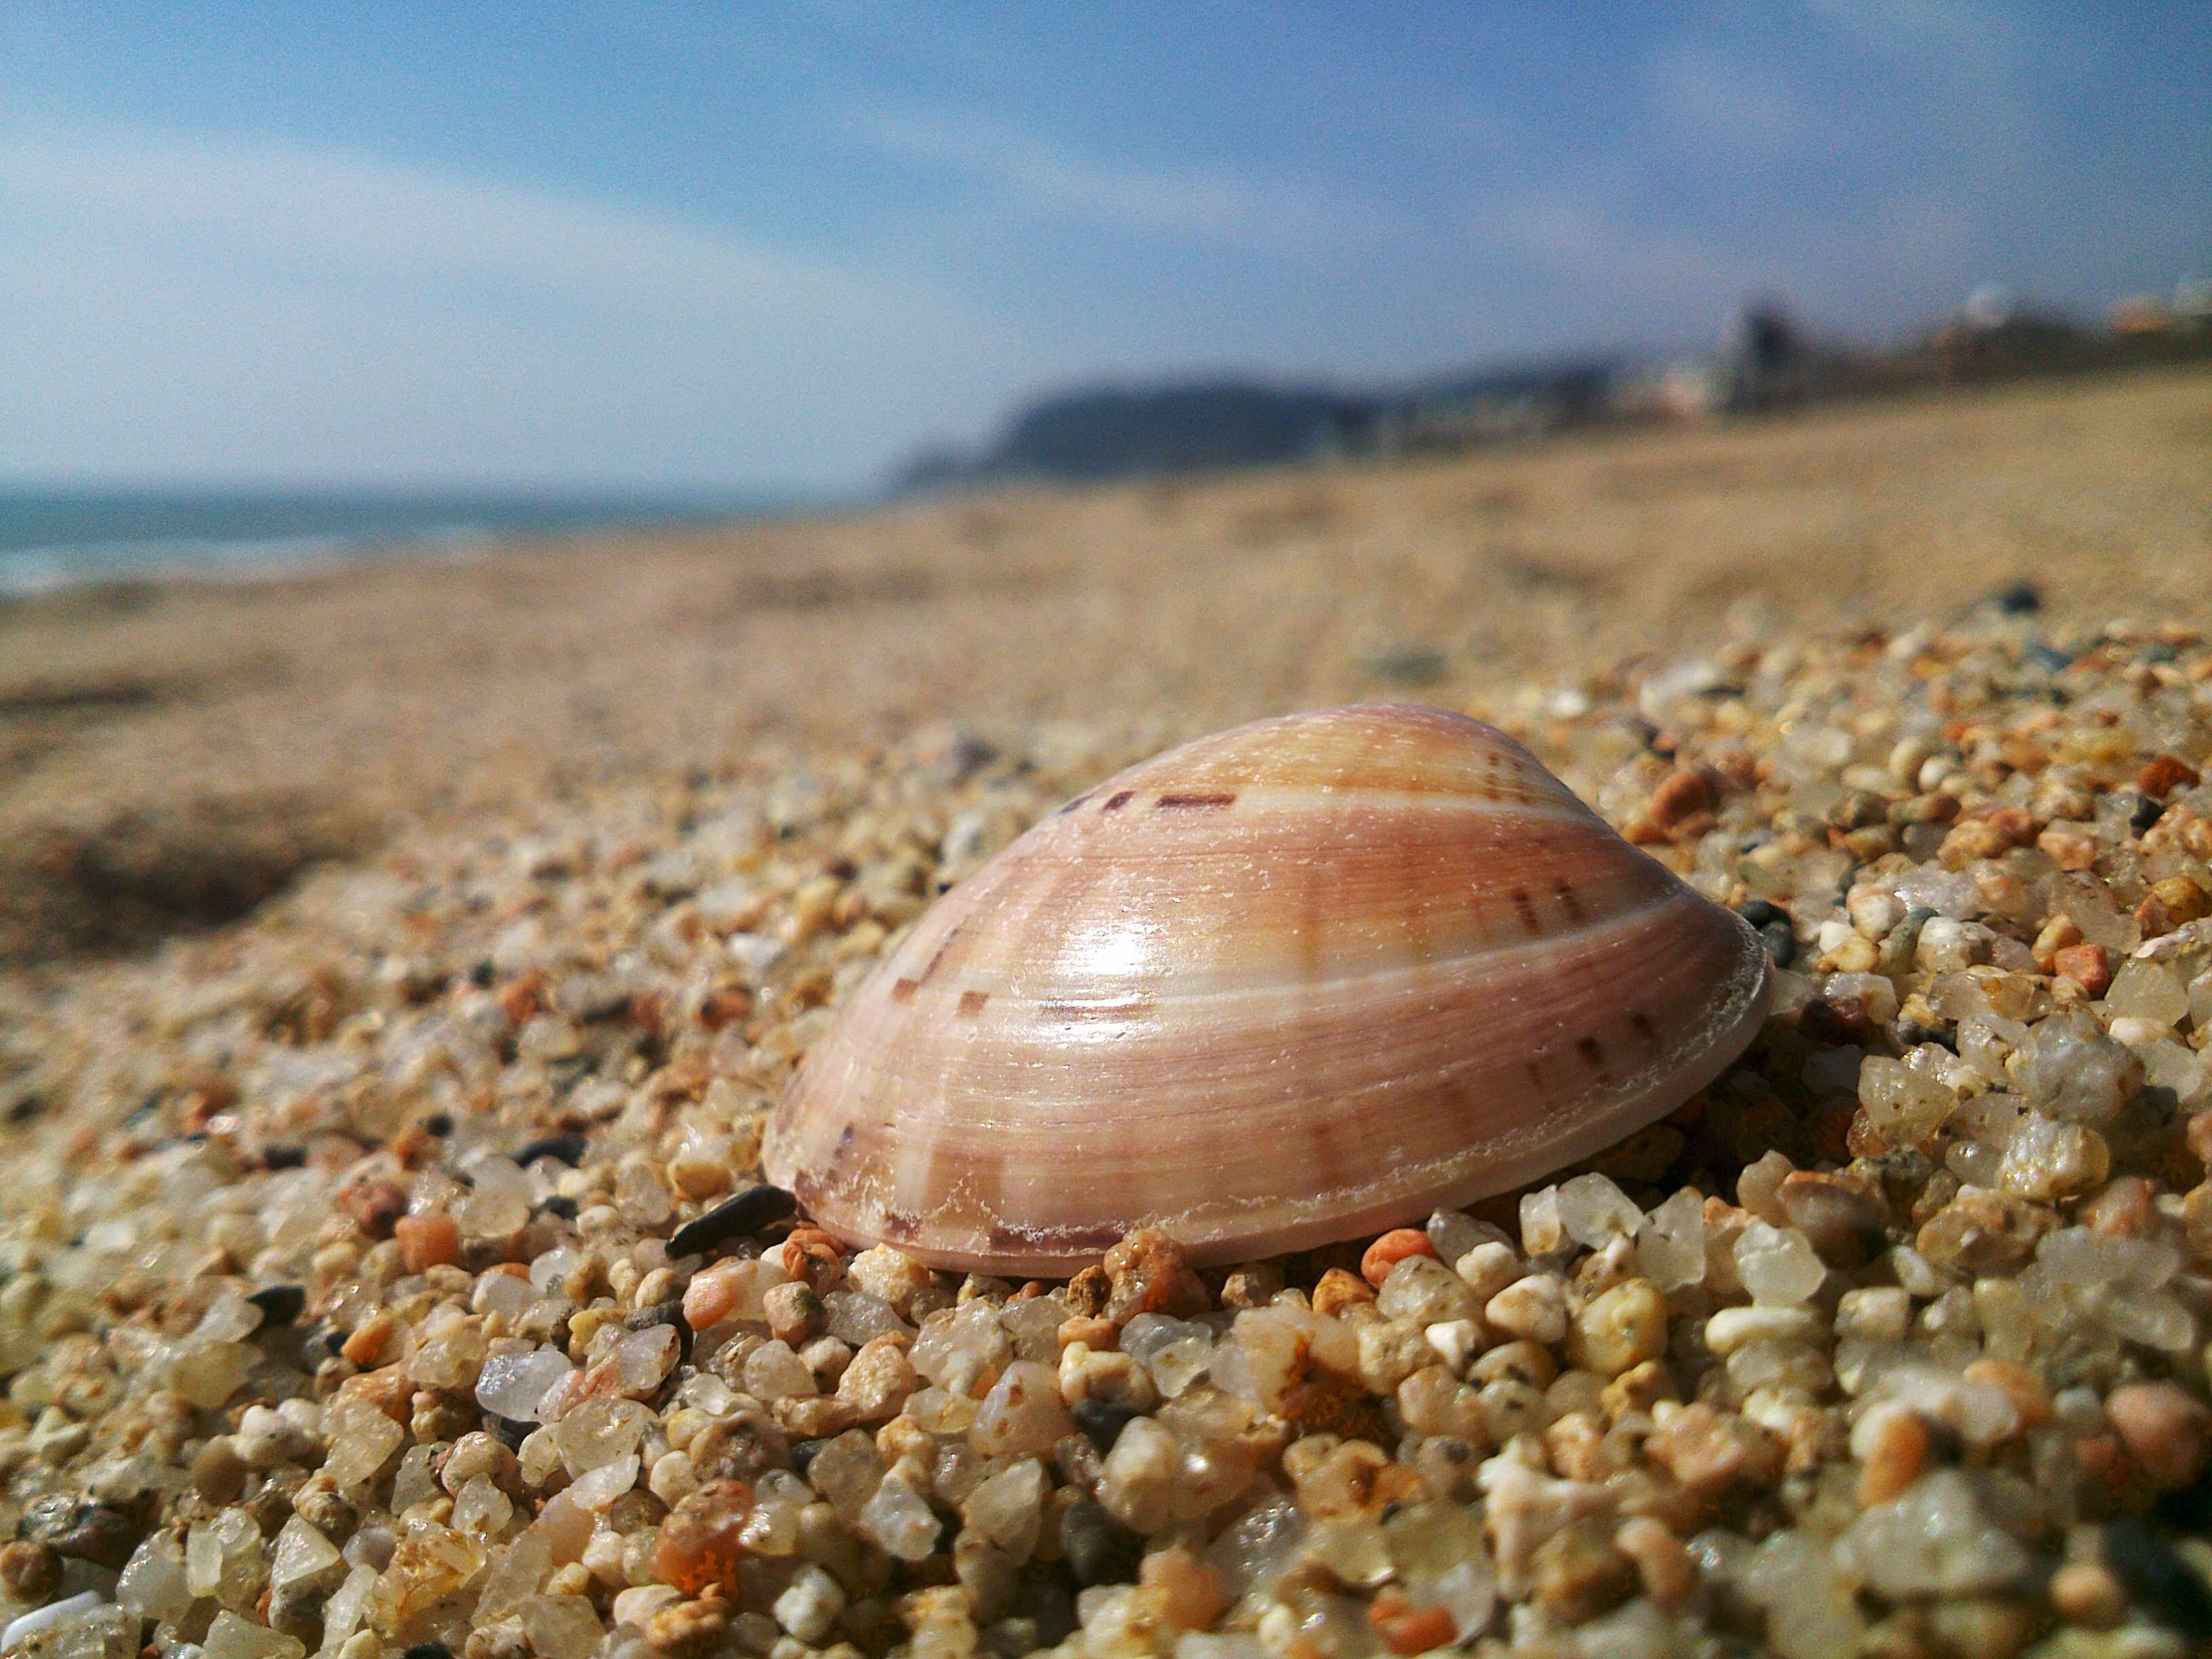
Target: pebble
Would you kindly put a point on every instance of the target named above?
(1619, 1329)
(2168, 1433)
(1392, 1248)
(744, 1213)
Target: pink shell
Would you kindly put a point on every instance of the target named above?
(1292, 983)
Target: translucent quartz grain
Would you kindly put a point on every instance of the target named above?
(561, 1626)
(152, 1581)
(2068, 1068)
(301, 1555)
(901, 1521)
(847, 1472)
(1009, 1506)
(1593, 1210)
(2149, 991)
(1903, 1106)
(1542, 1229)
(1810, 1610)
(1452, 1234)
(961, 1349)
(513, 1385)
(1423, 1289)
(1670, 1242)
(774, 1372)
(1933, 1540)
(498, 1201)
(224, 1558)
(517, 1571)
(856, 1317)
(343, 1613)
(360, 1438)
(233, 1637)
(1023, 1415)
(1777, 1265)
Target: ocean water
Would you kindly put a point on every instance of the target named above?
(61, 538)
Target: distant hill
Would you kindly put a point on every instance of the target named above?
(1765, 361)
(1102, 432)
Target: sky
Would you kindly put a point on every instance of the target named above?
(774, 247)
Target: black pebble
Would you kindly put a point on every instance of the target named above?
(2017, 599)
(427, 1650)
(747, 1211)
(802, 1454)
(1099, 1549)
(1102, 1424)
(1772, 923)
(481, 976)
(280, 1304)
(567, 1149)
(2145, 812)
(563, 1207)
(2155, 1575)
(283, 1158)
(439, 1124)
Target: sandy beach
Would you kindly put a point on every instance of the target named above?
(403, 966)
(169, 754)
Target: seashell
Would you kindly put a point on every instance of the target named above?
(1292, 983)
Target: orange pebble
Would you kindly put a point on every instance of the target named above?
(2086, 965)
(1388, 1251)
(713, 1295)
(1414, 1630)
(426, 1241)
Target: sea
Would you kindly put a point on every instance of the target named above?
(52, 538)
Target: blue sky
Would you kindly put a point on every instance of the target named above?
(775, 246)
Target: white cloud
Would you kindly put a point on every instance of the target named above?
(184, 307)
(1036, 172)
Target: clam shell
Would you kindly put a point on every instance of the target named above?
(1292, 983)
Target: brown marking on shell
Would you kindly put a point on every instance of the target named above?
(1570, 902)
(972, 1003)
(903, 990)
(1323, 1013)
(1172, 802)
(1525, 907)
(937, 957)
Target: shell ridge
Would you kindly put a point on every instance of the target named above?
(1552, 941)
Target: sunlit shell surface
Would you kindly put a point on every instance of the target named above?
(1292, 983)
